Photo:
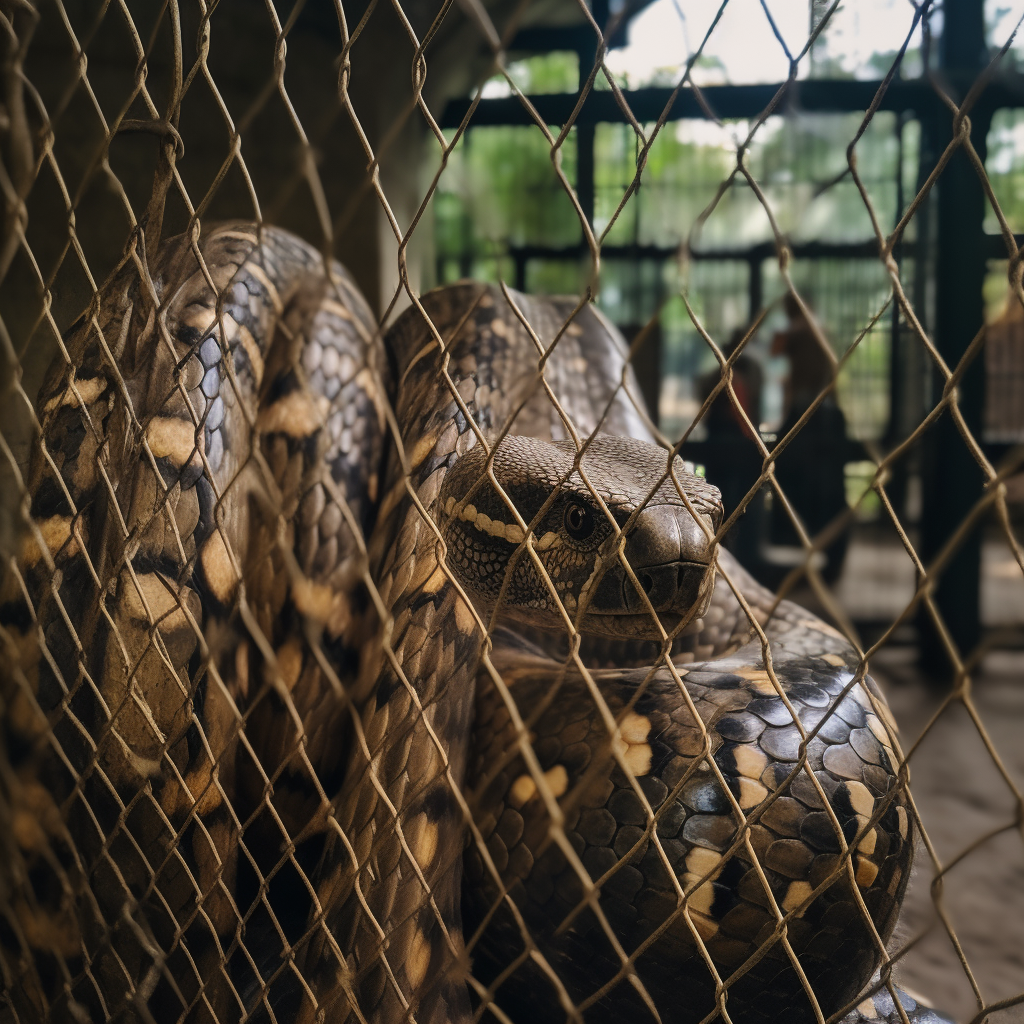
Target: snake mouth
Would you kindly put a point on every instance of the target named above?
(677, 591)
(674, 586)
(672, 561)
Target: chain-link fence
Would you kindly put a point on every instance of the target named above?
(363, 651)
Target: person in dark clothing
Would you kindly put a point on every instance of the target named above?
(733, 459)
(747, 382)
(811, 469)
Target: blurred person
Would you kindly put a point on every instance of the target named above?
(733, 459)
(810, 470)
(747, 382)
(1004, 373)
(810, 369)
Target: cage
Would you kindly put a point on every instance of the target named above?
(464, 469)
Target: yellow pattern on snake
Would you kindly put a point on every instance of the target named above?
(243, 747)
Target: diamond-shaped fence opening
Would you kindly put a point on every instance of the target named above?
(385, 652)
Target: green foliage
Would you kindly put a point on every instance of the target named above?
(1005, 167)
(557, 71)
(801, 165)
(796, 161)
(679, 179)
(859, 493)
(996, 289)
(501, 189)
(547, 72)
(555, 277)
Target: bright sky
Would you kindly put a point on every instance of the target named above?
(742, 49)
(662, 36)
(1002, 17)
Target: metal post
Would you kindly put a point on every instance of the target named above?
(520, 272)
(585, 169)
(895, 429)
(466, 253)
(755, 286)
(586, 55)
(952, 479)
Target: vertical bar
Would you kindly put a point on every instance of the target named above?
(895, 429)
(755, 286)
(952, 479)
(647, 363)
(466, 243)
(520, 271)
(586, 55)
(916, 362)
(585, 169)
(466, 240)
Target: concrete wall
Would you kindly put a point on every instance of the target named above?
(316, 185)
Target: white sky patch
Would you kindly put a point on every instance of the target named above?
(495, 88)
(1001, 17)
(706, 133)
(857, 31)
(743, 48)
(661, 41)
(1006, 143)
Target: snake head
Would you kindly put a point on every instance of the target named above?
(583, 548)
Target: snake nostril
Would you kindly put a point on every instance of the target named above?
(646, 581)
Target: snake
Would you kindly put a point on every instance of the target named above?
(391, 676)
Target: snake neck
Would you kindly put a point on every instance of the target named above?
(396, 904)
(697, 641)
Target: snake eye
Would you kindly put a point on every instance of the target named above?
(579, 521)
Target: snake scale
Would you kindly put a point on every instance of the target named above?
(350, 678)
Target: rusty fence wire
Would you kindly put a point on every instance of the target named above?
(238, 771)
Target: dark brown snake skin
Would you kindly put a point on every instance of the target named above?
(228, 791)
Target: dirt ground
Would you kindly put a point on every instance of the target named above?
(971, 813)
(964, 800)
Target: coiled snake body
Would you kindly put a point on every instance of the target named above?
(241, 752)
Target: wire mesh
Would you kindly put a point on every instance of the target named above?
(241, 758)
